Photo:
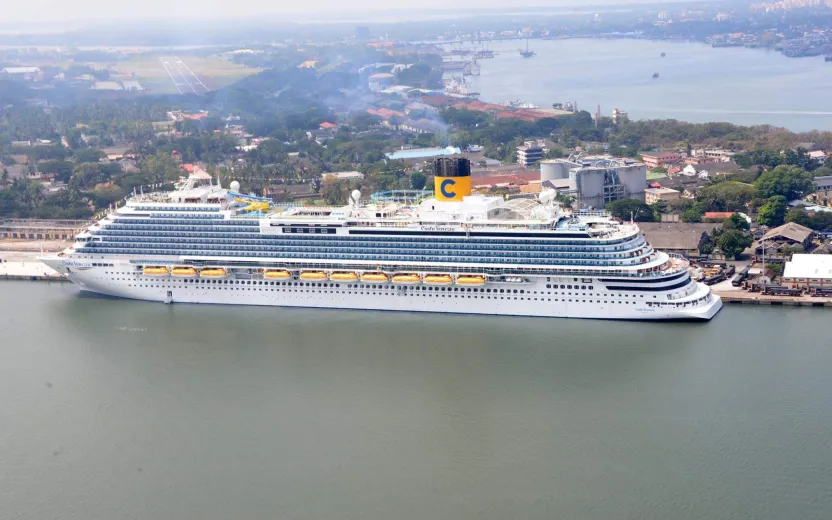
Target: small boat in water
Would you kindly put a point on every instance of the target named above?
(313, 275)
(406, 278)
(374, 278)
(344, 277)
(470, 280)
(438, 279)
(155, 270)
(277, 274)
(184, 271)
(655, 75)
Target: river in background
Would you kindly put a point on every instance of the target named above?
(696, 82)
(116, 409)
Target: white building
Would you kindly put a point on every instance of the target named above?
(343, 175)
(20, 71)
(715, 153)
(808, 270)
(530, 153)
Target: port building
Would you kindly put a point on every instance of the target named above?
(654, 160)
(653, 195)
(806, 271)
(778, 242)
(36, 229)
(685, 239)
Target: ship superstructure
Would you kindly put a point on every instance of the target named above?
(454, 252)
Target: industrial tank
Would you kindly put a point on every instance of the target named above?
(552, 169)
(381, 81)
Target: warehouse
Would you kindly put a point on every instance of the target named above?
(806, 271)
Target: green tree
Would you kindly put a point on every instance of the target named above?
(725, 196)
(85, 175)
(692, 215)
(773, 212)
(659, 207)
(553, 153)
(799, 216)
(417, 180)
(159, 167)
(735, 221)
(787, 181)
(733, 242)
(87, 155)
(4, 178)
(61, 169)
(333, 191)
(625, 208)
(565, 200)
(776, 269)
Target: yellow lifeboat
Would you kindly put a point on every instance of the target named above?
(406, 278)
(277, 274)
(343, 277)
(374, 278)
(470, 280)
(155, 270)
(313, 275)
(184, 271)
(438, 279)
(213, 272)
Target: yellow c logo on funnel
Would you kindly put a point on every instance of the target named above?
(451, 188)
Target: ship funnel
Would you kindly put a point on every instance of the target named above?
(452, 178)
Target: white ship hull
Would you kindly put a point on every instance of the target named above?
(535, 297)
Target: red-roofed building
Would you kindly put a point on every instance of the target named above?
(479, 106)
(717, 215)
(326, 125)
(195, 117)
(385, 113)
(522, 115)
(187, 167)
(439, 100)
(515, 181)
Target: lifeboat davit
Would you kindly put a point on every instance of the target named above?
(213, 272)
(313, 275)
(406, 278)
(374, 278)
(155, 270)
(184, 271)
(470, 280)
(277, 274)
(438, 279)
(344, 277)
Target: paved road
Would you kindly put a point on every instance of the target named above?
(185, 81)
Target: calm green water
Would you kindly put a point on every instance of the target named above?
(697, 83)
(113, 409)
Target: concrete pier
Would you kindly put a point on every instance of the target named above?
(750, 298)
(31, 270)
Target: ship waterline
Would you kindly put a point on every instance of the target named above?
(461, 254)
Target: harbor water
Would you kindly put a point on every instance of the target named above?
(114, 409)
(696, 82)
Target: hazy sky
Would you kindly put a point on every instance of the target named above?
(68, 10)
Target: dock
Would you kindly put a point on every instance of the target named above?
(751, 298)
(32, 271)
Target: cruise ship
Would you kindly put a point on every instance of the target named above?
(448, 252)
